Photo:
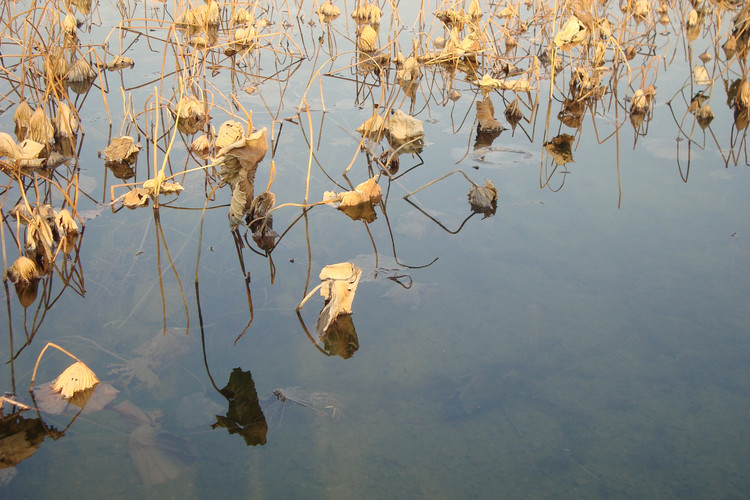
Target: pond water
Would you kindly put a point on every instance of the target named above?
(588, 339)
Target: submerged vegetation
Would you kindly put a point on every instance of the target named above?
(171, 80)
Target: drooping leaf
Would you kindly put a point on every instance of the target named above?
(560, 147)
(77, 377)
(339, 284)
(483, 199)
(571, 34)
(486, 116)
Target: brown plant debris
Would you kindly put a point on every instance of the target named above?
(77, 377)
(560, 147)
(338, 286)
(483, 199)
(486, 116)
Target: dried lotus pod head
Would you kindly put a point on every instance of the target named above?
(40, 128)
(21, 118)
(367, 41)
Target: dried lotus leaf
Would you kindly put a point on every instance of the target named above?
(122, 149)
(560, 147)
(66, 123)
(475, 11)
(77, 377)
(743, 95)
(368, 39)
(230, 132)
(486, 116)
(70, 25)
(513, 113)
(571, 34)
(21, 119)
(339, 284)
(700, 74)
(704, 116)
(136, 197)
(201, 146)
(402, 127)
(9, 148)
(243, 155)
(328, 12)
(242, 16)
(483, 199)
(24, 271)
(372, 128)
(120, 62)
(40, 127)
(192, 115)
(705, 57)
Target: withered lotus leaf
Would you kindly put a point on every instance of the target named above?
(229, 133)
(66, 123)
(136, 197)
(700, 74)
(560, 147)
(338, 286)
(201, 146)
(328, 12)
(120, 62)
(70, 25)
(122, 149)
(486, 116)
(240, 159)
(368, 39)
(192, 115)
(21, 119)
(483, 199)
(77, 377)
(24, 271)
(372, 128)
(513, 113)
(704, 116)
(571, 34)
(402, 127)
(40, 129)
(358, 204)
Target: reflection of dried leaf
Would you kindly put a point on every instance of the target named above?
(192, 115)
(340, 338)
(201, 146)
(704, 116)
(77, 377)
(243, 155)
(513, 113)
(560, 148)
(19, 438)
(339, 284)
(483, 199)
(244, 416)
(40, 127)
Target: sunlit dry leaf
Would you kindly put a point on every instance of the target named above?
(452, 19)
(136, 197)
(483, 199)
(192, 115)
(21, 119)
(743, 95)
(701, 76)
(245, 154)
(358, 204)
(730, 47)
(84, 6)
(475, 11)
(560, 147)
(693, 25)
(641, 10)
(81, 76)
(9, 148)
(24, 271)
(630, 53)
(513, 113)
(119, 62)
(402, 127)
(201, 146)
(367, 41)
(230, 132)
(704, 116)
(122, 149)
(77, 377)
(328, 12)
(242, 16)
(244, 38)
(339, 284)
(705, 57)
(40, 128)
(508, 11)
(486, 116)
(573, 33)
(372, 128)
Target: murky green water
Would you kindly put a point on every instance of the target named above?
(566, 347)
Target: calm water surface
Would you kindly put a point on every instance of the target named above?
(566, 347)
